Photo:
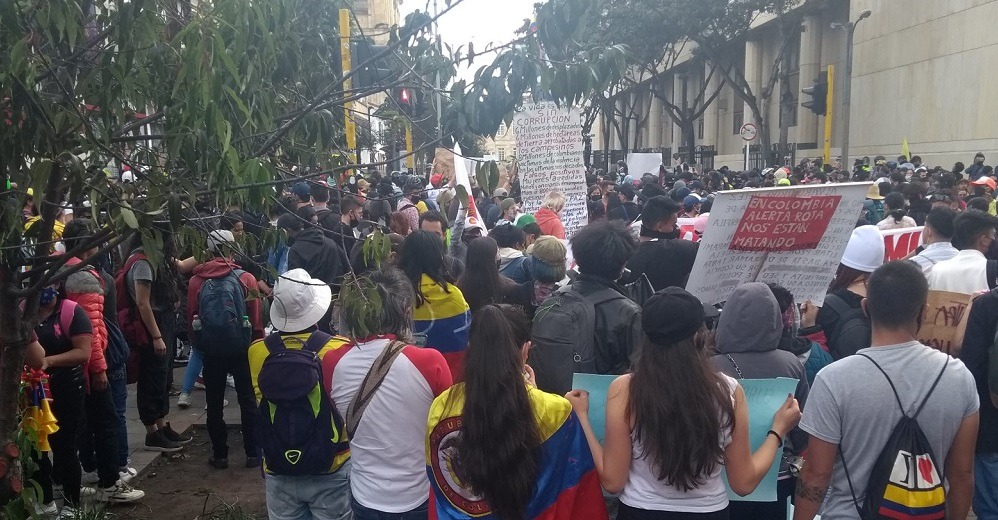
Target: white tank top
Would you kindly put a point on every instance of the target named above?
(645, 491)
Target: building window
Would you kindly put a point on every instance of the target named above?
(700, 128)
(737, 118)
(502, 129)
(502, 154)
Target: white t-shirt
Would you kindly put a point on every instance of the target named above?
(965, 273)
(388, 469)
(645, 491)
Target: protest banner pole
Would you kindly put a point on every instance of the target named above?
(828, 117)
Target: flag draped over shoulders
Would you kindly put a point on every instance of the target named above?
(568, 487)
(445, 319)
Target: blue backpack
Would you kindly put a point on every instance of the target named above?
(300, 431)
(221, 307)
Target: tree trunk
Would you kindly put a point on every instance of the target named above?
(689, 140)
(12, 345)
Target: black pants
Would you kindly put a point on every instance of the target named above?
(766, 510)
(99, 437)
(152, 393)
(67, 406)
(631, 513)
(214, 372)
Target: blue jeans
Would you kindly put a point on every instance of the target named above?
(986, 486)
(117, 382)
(318, 497)
(364, 513)
(194, 365)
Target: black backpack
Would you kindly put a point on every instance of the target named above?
(299, 429)
(905, 481)
(563, 337)
(852, 333)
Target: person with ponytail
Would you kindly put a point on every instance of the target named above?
(673, 423)
(499, 448)
(895, 207)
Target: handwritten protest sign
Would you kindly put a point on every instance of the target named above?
(945, 321)
(830, 210)
(443, 163)
(899, 243)
(549, 155)
(639, 164)
(597, 386)
(763, 397)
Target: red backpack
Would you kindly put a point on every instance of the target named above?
(129, 319)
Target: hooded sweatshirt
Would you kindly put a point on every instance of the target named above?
(549, 223)
(218, 268)
(748, 338)
(312, 251)
(513, 264)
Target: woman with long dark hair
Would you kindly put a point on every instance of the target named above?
(441, 314)
(674, 422)
(499, 446)
(481, 282)
(895, 206)
(837, 324)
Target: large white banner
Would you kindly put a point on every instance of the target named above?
(549, 152)
(792, 236)
(639, 164)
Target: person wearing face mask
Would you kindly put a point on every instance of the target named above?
(344, 231)
(985, 187)
(968, 272)
(409, 204)
(66, 334)
(663, 256)
(974, 171)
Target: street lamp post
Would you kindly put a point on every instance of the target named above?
(850, 28)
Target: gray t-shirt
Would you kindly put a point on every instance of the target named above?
(141, 271)
(851, 404)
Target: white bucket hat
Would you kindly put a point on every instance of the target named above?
(300, 301)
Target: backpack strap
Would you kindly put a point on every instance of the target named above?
(372, 381)
(737, 370)
(604, 295)
(274, 342)
(66, 312)
(316, 342)
(838, 305)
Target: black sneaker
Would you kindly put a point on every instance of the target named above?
(252, 462)
(181, 439)
(218, 463)
(157, 441)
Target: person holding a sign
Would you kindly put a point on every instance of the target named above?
(674, 422)
(662, 255)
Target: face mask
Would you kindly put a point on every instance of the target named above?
(47, 296)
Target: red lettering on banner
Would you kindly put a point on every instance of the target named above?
(784, 223)
(901, 245)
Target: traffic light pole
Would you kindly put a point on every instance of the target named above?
(847, 97)
(349, 125)
(410, 159)
(828, 116)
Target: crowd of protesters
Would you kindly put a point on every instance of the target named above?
(450, 395)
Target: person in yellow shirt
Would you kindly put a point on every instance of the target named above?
(305, 447)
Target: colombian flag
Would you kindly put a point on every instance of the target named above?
(568, 487)
(445, 319)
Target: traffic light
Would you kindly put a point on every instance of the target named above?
(406, 99)
(819, 95)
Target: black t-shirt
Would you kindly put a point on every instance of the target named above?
(56, 341)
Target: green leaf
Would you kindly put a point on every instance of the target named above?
(129, 217)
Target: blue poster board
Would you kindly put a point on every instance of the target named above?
(597, 386)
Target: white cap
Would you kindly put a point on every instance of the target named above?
(128, 177)
(218, 237)
(865, 251)
(300, 301)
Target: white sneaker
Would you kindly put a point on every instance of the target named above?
(126, 474)
(230, 381)
(45, 510)
(119, 493)
(184, 401)
(199, 383)
(68, 513)
(88, 491)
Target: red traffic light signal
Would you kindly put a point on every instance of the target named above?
(404, 97)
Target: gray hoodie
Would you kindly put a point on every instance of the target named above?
(748, 337)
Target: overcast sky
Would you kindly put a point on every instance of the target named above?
(478, 21)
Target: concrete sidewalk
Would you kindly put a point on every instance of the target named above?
(179, 419)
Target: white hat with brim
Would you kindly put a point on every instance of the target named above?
(300, 301)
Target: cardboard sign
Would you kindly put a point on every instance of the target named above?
(763, 397)
(899, 243)
(784, 223)
(549, 156)
(806, 273)
(945, 321)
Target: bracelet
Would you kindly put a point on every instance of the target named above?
(778, 438)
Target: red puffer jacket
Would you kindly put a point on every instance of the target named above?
(86, 288)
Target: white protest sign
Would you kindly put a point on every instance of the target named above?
(791, 236)
(549, 152)
(639, 164)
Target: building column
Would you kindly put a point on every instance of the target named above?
(633, 100)
(655, 123)
(710, 116)
(808, 129)
(753, 71)
(677, 99)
